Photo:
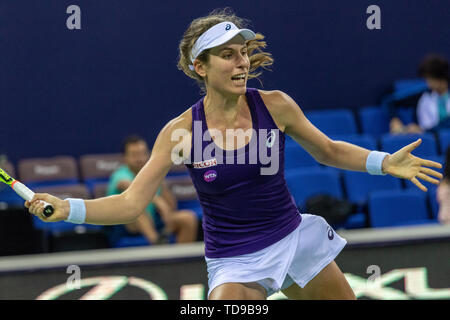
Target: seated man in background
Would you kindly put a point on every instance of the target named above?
(433, 108)
(161, 217)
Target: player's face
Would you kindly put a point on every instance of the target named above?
(437, 85)
(136, 155)
(228, 67)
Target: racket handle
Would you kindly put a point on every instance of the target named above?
(25, 193)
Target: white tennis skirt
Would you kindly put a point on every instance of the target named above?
(297, 258)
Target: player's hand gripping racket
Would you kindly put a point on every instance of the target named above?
(23, 191)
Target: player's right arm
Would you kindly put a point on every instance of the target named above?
(126, 207)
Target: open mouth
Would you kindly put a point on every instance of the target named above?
(239, 79)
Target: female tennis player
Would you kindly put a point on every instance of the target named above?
(256, 241)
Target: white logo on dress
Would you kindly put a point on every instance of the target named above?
(270, 139)
(205, 164)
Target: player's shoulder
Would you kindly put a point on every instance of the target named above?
(275, 97)
(179, 124)
(277, 101)
(182, 121)
(176, 134)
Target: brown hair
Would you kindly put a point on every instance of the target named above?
(130, 140)
(434, 66)
(257, 57)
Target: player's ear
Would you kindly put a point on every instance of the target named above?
(200, 68)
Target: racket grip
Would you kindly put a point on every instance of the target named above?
(25, 193)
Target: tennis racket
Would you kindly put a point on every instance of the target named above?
(23, 191)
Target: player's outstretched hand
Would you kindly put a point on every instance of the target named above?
(36, 207)
(403, 164)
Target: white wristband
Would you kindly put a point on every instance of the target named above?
(374, 162)
(77, 212)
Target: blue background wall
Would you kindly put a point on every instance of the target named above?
(81, 91)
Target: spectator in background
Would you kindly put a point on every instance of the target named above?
(443, 192)
(433, 108)
(161, 217)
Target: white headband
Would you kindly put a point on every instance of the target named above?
(217, 35)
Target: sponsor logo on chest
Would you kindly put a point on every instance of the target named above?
(205, 164)
(210, 175)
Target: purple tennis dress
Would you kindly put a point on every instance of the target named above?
(244, 210)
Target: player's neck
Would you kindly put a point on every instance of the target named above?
(220, 106)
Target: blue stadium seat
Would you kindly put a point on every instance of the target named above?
(397, 208)
(406, 114)
(96, 169)
(295, 157)
(356, 221)
(39, 172)
(374, 120)
(61, 226)
(410, 85)
(289, 141)
(444, 140)
(393, 143)
(359, 185)
(333, 122)
(184, 191)
(362, 140)
(304, 183)
(8, 196)
(336, 171)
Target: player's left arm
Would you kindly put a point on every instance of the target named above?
(402, 164)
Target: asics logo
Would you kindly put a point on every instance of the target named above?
(270, 139)
(330, 233)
